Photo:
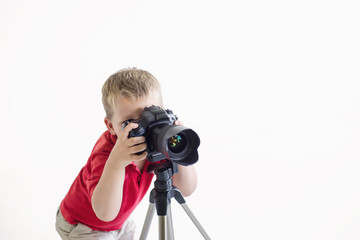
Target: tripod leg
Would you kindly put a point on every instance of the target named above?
(195, 221)
(147, 223)
(169, 222)
(162, 229)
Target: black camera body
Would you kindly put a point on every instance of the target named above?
(164, 139)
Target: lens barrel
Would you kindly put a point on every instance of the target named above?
(177, 143)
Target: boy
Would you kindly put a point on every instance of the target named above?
(115, 178)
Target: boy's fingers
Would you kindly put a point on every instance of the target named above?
(135, 141)
(177, 122)
(125, 132)
(138, 148)
(140, 157)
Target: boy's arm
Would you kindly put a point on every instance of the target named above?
(186, 179)
(107, 196)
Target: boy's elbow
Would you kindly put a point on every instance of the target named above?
(188, 190)
(103, 212)
(104, 216)
(186, 194)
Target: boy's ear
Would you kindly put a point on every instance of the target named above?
(109, 126)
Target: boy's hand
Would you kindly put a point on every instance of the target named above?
(179, 123)
(125, 149)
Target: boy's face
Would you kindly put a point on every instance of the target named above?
(127, 109)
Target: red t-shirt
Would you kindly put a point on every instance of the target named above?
(76, 206)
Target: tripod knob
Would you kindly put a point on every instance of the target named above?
(163, 186)
(163, 174)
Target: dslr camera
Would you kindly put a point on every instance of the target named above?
(164, 139)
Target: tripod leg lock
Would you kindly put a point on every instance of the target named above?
(177, 195)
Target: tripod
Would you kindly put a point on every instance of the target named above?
(160, 197)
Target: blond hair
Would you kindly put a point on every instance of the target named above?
(131, 83)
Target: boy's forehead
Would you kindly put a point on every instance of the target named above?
(128, 108)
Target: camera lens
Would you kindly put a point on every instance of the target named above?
(177, 143)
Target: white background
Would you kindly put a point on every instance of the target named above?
(271, 87)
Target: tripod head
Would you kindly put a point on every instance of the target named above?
(163, 189)
(164, 170)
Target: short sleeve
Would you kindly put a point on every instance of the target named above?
(97, 164)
